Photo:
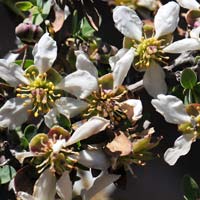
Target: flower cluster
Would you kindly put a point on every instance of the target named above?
(77, 104)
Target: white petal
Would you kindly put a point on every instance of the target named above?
(189, 4)
(79, 83)
(150, 4)
(122, 67)
(137, 108)
(11, 57)
(12, 73)
(50, 118)
(45, 53)
(113, 59)
(66, 12)
(93, 126)
(45, 186)
(154, 81)
(181, 147)
(25, 196)
(171, 108)
(70, 107)
(166, 19)
(10, 112)
(127, 22)
(84, 63)
(194, 33)
(20, 156)
(67, 106)
(101, 182)
(181, 46)
(95, 159)
(64, 187)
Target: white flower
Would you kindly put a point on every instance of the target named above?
(186, 44)
(46, 187)
(148, 50)
(84, 82)
(174, 112)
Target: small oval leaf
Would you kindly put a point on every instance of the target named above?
(24, 5)
(188, 79)
(6, 174)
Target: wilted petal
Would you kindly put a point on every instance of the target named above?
(84, 63)
(166, 19)
(171, 108)
(181, 147)
(135, 112)
(181, 46)
(25, 196)
(45, 186)
(95, 159)
(79, 83)
(93, 126)
(113, 59)
(12, 73)
(45, 53)
(10, 112)
(154, 81)
(189, 4)
(122, 67)
(127, 22)
(101, 182)
(64, 187)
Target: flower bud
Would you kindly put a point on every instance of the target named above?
(29, 33)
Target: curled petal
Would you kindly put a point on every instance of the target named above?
(12, 73)
(133, 108)
(95, 159)
(113, 59)
(181, 147)
(154, 81)
(122, 67)
(45, 186)
(189, 4)
(79, 83)
(84, 63)
(91, 127)
(101, 182)
(166, 19)
(10, 112)
(45, 53)
(181, 46)
(64, 187)
(172, 109)
(127, 22)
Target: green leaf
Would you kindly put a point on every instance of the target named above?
(37, 19)
(190, 187)
(188, 79)
(6, 174)
(27, 63)
(24, 143)
(86, 29)
(24, 5)
(75, 22)
(64, 122)
(46, 8)
(30, 131)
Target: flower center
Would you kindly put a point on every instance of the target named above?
(40, 91)
(106, 104)
(149, 49)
